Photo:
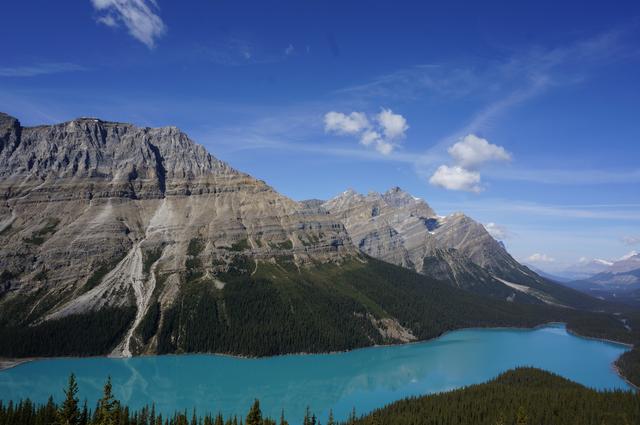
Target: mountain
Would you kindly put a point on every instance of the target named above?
(619, 280)
(627, 263)
(99, 214)
(584, 269)
(399, 228)
(127, 240)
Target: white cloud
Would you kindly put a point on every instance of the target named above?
(370, 137)
(385, 148)
(497, 231)
(456, 178)
(472, 150)
(137, 15)
(108, 20)
(540, 258)
(337, 122)
(468, 153)
(383, 132)
(393, 125)
(631, 240)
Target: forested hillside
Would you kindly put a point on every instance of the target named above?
(524, 396)
(266, 309)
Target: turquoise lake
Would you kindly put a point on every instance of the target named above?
(365, 378)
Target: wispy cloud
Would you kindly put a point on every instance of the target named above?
(540, 258)
(503, 84)
(567, 176)
(609, 212)
(40, 69)
(513, 79)
(497, 231)
(139, 16)
(242, 50)
(631, 240)
(413, 82)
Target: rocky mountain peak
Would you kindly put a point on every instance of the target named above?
(115, 157)
(396, 197)
(344, 200)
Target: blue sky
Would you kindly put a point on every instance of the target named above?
(525, 116)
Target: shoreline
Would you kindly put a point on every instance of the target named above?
(619, 373)
(610, 341)
(10, 363)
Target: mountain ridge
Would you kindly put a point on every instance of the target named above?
(402, 229)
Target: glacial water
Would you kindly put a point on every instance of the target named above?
(365, 378)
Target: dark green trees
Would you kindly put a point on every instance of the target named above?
(69, 414)
(108, 409)
(254, 417)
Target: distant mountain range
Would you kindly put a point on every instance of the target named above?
(612, 280)
(129, 240)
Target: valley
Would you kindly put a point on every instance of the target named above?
(123, 241)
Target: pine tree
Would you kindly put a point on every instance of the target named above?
(152, 415)
(50, 412)
(69, 414)
(107, 411)
(521, 417)
(331, 420)
(84, 416)
(307, 417)
(219, 420)
(254, 417)
(283, 421)
(352, 416)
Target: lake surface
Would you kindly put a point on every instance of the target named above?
(366, 378)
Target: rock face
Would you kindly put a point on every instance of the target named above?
(92, 211)
(404, 230)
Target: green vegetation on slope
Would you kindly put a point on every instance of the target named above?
(85, 334)
(524, 396)
(262, 308)
(269, 308)
(629, 366)
(629, 363)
